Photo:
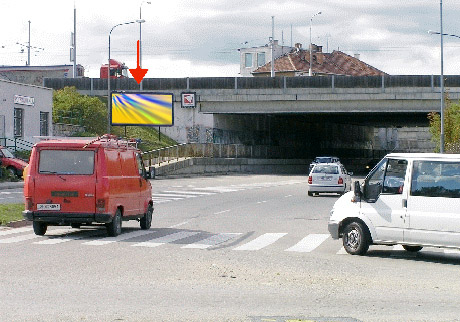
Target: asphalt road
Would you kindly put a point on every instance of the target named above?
(11, 195)
(229, 248)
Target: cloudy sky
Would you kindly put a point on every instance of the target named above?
(192, 38)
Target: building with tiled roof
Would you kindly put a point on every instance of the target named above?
(297, 63)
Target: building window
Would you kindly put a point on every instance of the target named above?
(248, 60)
(18, 122)
(260, 59)
(44, 123)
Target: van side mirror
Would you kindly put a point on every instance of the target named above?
(372, 191)
(357, 191)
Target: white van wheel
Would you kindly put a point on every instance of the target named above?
(146, 221)
(412, 249)
(114, 227)
(355, 239)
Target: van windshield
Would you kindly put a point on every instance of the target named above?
(66, 162)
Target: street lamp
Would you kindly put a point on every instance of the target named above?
(441, 141)
(140, 37)
(431, 32)
(108, 72)
(311, 22)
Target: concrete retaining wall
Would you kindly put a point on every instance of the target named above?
(225, 166)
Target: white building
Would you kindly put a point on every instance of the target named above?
(25, 112)
(255, 57)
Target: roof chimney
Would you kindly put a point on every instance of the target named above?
(316, 48)
(357, 56)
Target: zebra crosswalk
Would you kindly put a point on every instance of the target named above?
(194, 192)
(199, 240)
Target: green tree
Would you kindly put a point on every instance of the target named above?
(451, 127)
(91, 112)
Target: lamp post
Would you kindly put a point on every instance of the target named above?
(109, 99)
(311, 22)
(140, 38)
(441, 141)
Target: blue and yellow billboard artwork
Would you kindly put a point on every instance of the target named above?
(145, 109)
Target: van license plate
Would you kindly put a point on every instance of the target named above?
(48, 206)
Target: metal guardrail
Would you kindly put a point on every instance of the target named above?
(16, 144)
(217, 150)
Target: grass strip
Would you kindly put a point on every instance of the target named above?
(10, 212)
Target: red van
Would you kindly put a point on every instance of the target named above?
(14, 165)
(82, 181)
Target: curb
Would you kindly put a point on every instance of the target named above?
(19, 223)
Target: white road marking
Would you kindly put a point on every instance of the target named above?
(15, 231)
(261, 241)
(212, 241)
(309, 243)
(109, 240)
(222, 212)
(190, 192)
(169, 195)
(166, 239)
(180, 224)
(21, 238)
(342, 251)
(64, 239)
(452, 251)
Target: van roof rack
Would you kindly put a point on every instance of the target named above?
(115, 140)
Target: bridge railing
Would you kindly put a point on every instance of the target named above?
(218, 150)
(279, 82)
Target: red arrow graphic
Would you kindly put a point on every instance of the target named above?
(139, 72)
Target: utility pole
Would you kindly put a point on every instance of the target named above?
(74, 42)
(442, 138)
(272, 74)
(28, 49)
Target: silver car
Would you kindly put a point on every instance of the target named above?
(329, 177)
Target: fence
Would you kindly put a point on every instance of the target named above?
(280, 82)
(16, 144)
(216, 150)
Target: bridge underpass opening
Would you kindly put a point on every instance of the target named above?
(304, 136)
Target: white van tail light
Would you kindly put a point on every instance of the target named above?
(340, 180)
(310, 179)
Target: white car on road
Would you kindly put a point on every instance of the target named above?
(329, 177)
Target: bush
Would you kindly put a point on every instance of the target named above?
(5, 175)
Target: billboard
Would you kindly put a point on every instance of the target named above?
(142, 108)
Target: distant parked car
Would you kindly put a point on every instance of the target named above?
(323, 160)
(329, 177)
(13, 165)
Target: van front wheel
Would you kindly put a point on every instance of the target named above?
(114, 227)
(355, 238)
(146, 221)
(39, 228)
(412, 249)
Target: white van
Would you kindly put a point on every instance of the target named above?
(408, 199)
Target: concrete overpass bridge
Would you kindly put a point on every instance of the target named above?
(340, 115)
